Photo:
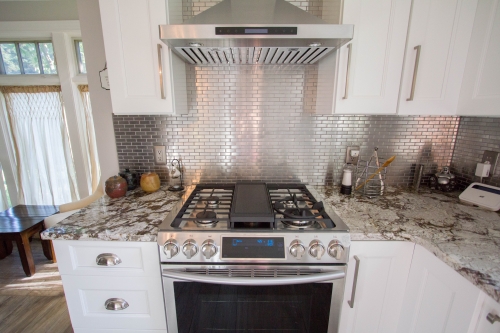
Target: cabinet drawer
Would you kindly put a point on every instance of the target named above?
(486, 306)
(87, 295)
(116, 258)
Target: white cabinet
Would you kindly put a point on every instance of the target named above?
(370, 66)
(383, 271)
(486, 306)
(437, 298)
(435, 57)
(139, 63)
(480, 94)
(124, 274)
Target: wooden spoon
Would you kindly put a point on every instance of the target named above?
(389, 161)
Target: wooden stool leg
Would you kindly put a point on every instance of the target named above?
(8, 246)
(23, 245)
(47, 249)
(3, 250)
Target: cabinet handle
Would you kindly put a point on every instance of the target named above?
(492, 318)
(160, 71)
(355, 282)
(115, 304)
(415, 70)
(108, 259)
(346, 91)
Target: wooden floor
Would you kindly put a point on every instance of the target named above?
(32, 304)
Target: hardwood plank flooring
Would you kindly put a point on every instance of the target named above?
(32, 304)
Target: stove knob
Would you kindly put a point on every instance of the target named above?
(316, 249)
(297, 249)
(335, 249)
(170, 248)
(208, 249)
(189, 248)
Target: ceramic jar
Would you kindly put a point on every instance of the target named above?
(115, 187)
(131, 178)
(150, 182)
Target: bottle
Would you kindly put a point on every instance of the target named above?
(346, 186)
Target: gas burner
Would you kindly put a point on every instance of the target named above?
(212, 201)
(299, 223)
(288, 202)
(290, 209)
(206, 218)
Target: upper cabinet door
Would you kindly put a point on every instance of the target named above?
(480, 94)
(137, 60)
(436, 52)
(370, 66)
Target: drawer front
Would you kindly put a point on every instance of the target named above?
(87, 295)
(115, 258)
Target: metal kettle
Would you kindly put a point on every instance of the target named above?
(444, 180)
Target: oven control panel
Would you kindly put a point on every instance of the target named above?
(255, 248)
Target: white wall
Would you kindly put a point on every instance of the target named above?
(54, 10)
(90, 25)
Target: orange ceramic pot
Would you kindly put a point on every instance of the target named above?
(150, 182)
(115, 187)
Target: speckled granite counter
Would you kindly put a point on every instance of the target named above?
(464, 237)
(135, 217)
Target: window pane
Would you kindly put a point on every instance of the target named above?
(83, 66)
(10, 60)
(29, 58)
(48, 60)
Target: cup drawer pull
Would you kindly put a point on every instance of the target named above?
(108, 259)
(115, 304)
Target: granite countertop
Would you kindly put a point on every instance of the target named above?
(466, 238)
(134, 217)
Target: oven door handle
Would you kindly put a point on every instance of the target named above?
(239, 281)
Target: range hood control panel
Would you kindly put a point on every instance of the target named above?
(256, 30)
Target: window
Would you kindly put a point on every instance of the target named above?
(27, 58)
(80, 57)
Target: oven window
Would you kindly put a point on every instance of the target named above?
(204, 308)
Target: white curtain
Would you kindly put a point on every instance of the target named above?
(90, 146)
(45, 169)
(3, 197)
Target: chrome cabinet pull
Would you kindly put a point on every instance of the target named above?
(346, 91)
(354, 283)
(415, 70)
(492, 318)
(107, 259)
(160, 71)
(116, 304)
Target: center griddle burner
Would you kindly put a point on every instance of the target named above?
(206, 218)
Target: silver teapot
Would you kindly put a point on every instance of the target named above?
(444, 180)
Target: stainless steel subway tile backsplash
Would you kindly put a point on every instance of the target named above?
(475, 135)
(255, 125)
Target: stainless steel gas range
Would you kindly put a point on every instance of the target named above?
(253, 257)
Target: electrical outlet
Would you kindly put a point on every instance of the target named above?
(352, 155)
(492, 158)
(160, 154)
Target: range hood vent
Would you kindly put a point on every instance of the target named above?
(252, 55)
(244, 32)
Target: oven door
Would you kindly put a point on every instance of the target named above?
(253, 298)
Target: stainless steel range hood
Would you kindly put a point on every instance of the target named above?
(239, 32)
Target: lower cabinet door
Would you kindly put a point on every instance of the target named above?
(372, 302)
(131, 303)
(437, 298)
(487, 316)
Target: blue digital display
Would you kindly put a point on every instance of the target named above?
(256, 31)
(253, 247)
